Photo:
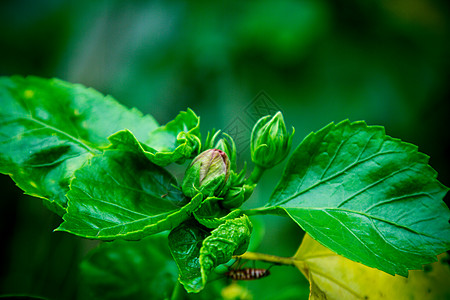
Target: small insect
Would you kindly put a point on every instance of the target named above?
(247, 274)
(241, 273)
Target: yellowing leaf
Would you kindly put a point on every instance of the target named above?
(314, 291)
(333, 276)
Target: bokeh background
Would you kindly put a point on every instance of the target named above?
(385, 61)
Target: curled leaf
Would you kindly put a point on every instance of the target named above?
(197, 250)
(174, 142)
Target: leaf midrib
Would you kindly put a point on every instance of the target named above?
(146, 217)
(334, 176)
(325, 209)
(70, 137)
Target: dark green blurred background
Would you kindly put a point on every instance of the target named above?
(386, 62)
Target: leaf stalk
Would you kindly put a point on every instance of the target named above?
(177, 293)
(256, 175)
(278, 260)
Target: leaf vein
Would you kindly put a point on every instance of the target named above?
(70, 137)
(390, 200)
(357, 238)
(367, 187)
(298, 193)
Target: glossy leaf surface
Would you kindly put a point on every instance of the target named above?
(198, 251)
(121, 194)
(50, 128)
(366, 196)
(185, 243)
(335, 277)
(174, 142)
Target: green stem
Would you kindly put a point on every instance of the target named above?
(251, 181)
(255, 176)
(274, 210)
(177, 293)
(268, 258)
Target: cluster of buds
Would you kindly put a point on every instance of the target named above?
(212, 172)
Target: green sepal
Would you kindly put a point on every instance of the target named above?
(212, 213)
(211, 137)
(215, 222)
(234, 197)
(50, 128)
(226, 144)
(238, 191)
(211, 208)
(121, 194)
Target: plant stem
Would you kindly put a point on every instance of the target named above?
(256, 175)
(267, 258)
(263, 211)
(251, 181)
(177, 293)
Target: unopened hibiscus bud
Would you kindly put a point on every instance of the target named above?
(270, 141)
(228, 146)
(207, 174)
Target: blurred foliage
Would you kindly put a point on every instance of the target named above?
(385, 62)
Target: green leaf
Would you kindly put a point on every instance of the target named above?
(50, 128)
(121, 194)
(185, 243)
(197, 252)
(366, 196)
(174, 142)
(129, 270)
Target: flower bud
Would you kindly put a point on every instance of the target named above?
(207, 174)
(228, 146)
(234, 197)
(270, 141)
